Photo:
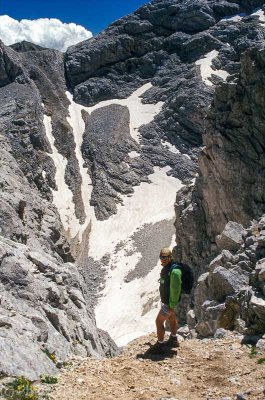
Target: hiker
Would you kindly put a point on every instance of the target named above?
(170, 290)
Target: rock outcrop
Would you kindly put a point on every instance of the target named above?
(44, 301)
(231, 294)
(230, 182)
(44, 312)
(214, 218)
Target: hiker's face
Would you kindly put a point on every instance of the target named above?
(165, 260)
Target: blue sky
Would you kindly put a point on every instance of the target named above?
(94, 15)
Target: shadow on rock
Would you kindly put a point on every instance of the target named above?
(151, 354)
(251, 339)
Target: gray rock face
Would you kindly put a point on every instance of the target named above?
(43, 311)
(25, 46)
(108, 129)
(231, 238)
(131, 43)
(230, 182)
(229, 188)
(43, 298)
(10, 69)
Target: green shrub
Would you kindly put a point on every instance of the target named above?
(20, 389)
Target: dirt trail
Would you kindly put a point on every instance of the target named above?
(212, 369)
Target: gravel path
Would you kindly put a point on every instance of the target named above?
(220, 369)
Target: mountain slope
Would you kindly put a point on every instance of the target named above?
(95, 144)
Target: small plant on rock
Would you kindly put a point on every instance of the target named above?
(20, 389)
(51, 380)
(51, 356)
(253, 352)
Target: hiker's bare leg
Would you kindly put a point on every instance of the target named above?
(173, 322)
(160, 329)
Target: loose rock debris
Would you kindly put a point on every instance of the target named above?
(209, 369)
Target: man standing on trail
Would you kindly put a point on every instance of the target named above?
(170, 290)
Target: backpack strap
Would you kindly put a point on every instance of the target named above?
(173, 266)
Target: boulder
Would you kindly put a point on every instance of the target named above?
(19, 357)
(260, 270)
(232, 237)
(223, 282)
(201, 294)
(261, 345)
(257, 305)
(221, 260)
(191, 319)
(211, 312)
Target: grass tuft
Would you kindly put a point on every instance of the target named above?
(51, 380)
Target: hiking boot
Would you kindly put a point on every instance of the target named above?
(157, 348)
(172, 341)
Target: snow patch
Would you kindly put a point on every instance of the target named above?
(205, 64)
(134, 154)
(120, 309)
(76, 121)
(150, 203)
(170, 147)
(140, 113)
(260, 13)
(194, 180)
(235, 18)
(62, 197)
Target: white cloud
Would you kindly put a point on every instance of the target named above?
(46, 32)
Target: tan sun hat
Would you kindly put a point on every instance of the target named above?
(165, 252)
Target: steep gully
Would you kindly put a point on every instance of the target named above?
(135, 213)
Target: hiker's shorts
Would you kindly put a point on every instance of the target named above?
(164, 310)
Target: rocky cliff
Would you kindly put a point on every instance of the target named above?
(221, 219)
(44, 301)
(95, 144)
